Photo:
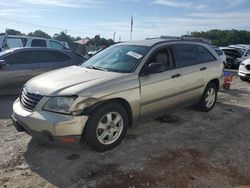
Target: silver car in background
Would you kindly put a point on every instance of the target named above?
(18, 65)
(126, 83)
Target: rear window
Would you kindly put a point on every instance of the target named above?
(219, 52)
(186, 54)
(205, 55)
(38, 43)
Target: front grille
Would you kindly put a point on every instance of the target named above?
(29, 100)
(248, 67)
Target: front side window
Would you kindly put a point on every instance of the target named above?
(186, 55)
(162, 56)
(38, 43)
(16, 58)
(117, 58)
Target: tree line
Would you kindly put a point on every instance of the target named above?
(218, 37)
(224, 37)
(62, 36)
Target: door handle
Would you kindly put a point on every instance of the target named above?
(203, 68)
(176, 75)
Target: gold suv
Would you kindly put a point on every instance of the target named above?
(100, 99)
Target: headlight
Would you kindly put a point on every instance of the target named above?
(60, 104)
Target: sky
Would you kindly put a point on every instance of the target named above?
(151, 18)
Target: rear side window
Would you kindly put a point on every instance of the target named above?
(186, 54)
(38, 43)
(56, 45)
(205, 55)
(47, 56)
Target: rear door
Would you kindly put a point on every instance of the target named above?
(194, 74)
(50, 60)
(19, 69)
(208, 60)
(193, 70)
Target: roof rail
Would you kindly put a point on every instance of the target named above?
(186, 38)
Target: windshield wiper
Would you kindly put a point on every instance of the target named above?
(96, 68)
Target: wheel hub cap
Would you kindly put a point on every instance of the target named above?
(109, 128)
(210, 98)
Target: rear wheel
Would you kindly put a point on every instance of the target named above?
(208, 98)
(106, 127)
(244, 79)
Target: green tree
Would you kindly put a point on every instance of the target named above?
(39, 33)
(13, 32)
(225, 37)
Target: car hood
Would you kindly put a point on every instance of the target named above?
(68, 81)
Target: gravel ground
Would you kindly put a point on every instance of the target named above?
(184, 149)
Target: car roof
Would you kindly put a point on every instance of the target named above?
(153, 41)
(26, 36)
(36, 48)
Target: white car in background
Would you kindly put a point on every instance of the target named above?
(15, 41)
(222, 55)
(244, 70)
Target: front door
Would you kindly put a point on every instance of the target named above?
(159, 90)
(19, 68)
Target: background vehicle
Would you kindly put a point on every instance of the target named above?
(120, 85)
(236, 54)
(244, 70)
(15, 41)
(18, 65)
(222, 55)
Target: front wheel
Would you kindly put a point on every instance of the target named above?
(106, 127)
(208, 98)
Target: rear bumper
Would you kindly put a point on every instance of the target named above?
(48, 125)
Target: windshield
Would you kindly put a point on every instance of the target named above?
(5, 52)
(117, 58)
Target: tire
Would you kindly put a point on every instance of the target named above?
(244, 79)
(101, 122)
(204, 104)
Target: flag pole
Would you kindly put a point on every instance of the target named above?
(131, 27)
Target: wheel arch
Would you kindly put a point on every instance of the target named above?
(124, 103)
(215, 81)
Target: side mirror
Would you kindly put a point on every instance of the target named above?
(155, 68)
(2, 63)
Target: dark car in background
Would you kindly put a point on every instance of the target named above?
(18, 65)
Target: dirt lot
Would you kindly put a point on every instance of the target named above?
(189, 149)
